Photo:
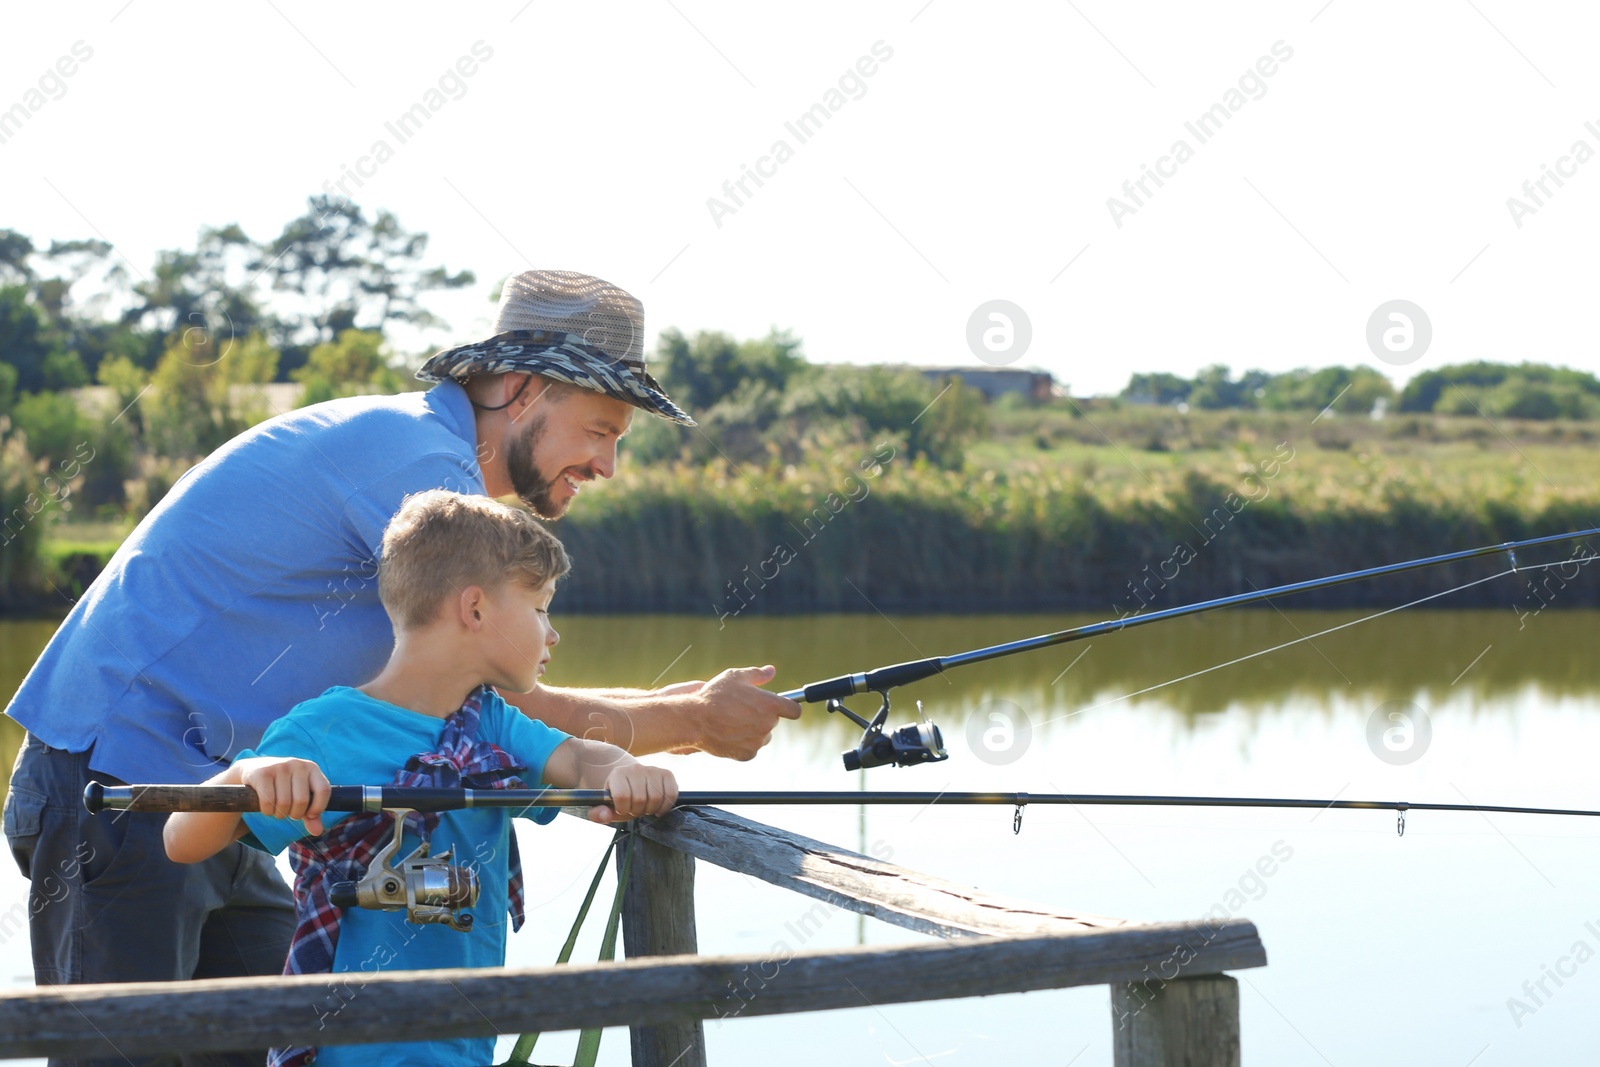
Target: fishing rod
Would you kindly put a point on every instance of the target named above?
(373, 798)
(432, 889)
(922, 741)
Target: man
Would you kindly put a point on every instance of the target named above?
(252, 586)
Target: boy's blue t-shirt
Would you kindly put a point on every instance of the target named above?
(359, 740)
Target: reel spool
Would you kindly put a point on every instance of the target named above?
(914, 743)
(429, 889)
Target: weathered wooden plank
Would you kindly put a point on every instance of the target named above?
(1184, 1022)
(658, 920)
(219, 1014)
(855, 882)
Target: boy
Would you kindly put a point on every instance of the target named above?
(467, 583)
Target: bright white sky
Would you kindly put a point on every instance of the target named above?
(976, 166)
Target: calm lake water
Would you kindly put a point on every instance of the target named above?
(1382, 949)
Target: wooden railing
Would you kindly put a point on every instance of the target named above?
(1170, 1002)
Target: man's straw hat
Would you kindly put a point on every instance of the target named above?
(568, 327)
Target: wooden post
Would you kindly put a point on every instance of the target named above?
(1185, 1022)
(658, 920)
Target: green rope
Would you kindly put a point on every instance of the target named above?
(589, 1040)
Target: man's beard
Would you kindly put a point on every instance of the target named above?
(526, 482)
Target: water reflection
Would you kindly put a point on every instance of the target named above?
(1417, 654)
(1483, 657)
(20, 644)
(1515, 722)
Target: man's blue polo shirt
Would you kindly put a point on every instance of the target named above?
(251, 587)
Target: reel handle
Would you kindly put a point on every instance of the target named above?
(98, 798)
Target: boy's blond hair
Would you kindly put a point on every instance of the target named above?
(440, 542)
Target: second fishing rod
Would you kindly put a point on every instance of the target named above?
(922, 741)
(376, 798)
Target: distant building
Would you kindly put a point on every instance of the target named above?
(995, 382)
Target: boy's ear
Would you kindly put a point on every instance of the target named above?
(469, 607)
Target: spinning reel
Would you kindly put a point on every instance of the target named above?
(917, 742)
(428, 889)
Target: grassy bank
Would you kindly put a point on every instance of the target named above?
(59, 573)
(1096, 528)
(1101, 509)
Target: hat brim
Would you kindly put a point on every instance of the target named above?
(562, 357)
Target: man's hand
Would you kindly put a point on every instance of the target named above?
(637, 789)
(734, 717)
(729, 716)
(289, 788)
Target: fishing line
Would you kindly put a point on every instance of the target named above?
(1309, 637)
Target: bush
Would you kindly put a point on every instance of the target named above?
(700, 372)
(1520, 398)
(357, 364)
(1526, 391)
(1351, 390)
(936, 420)
(55, 430)
(8, 388)
(126, 382)
(109, 464)
(24, 512)
(653, 440)
(201, 396)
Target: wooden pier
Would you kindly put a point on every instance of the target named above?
(1171, 1004)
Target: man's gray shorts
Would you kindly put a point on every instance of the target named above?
(106, 905)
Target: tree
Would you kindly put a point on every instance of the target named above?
(1352, 390)
(1525, 390)
(90, 278)
(32, 347)
(1215, 387)
(396, 282)
(349, 273)
(1158, 388)
(15, 248)
(1422, 393)
(77, 261)
(200, 297)
(712, 366)
(80, 327)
